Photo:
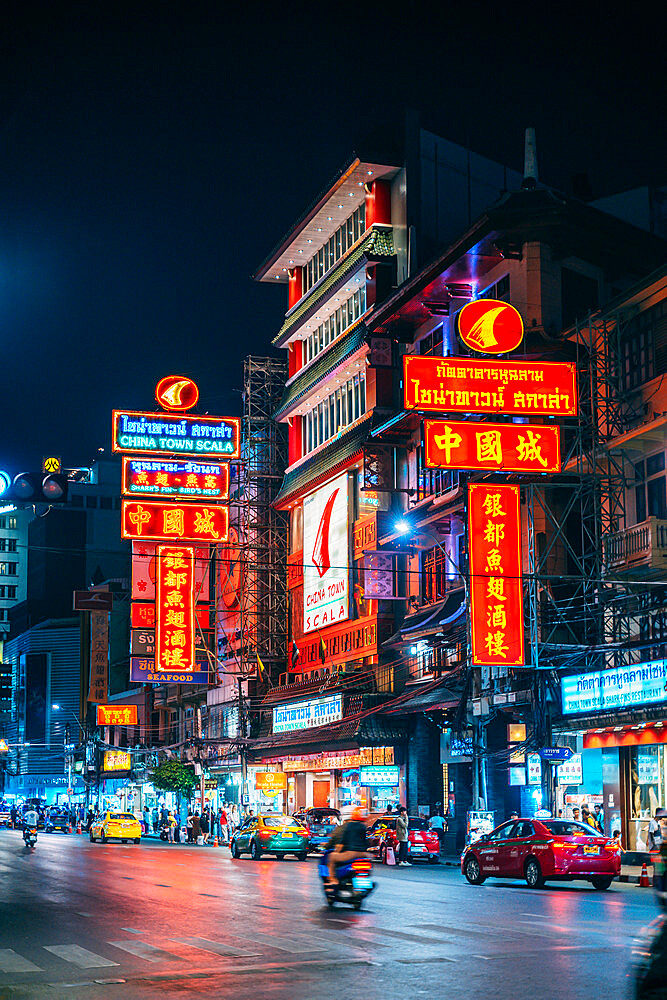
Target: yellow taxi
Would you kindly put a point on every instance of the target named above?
(117, 826)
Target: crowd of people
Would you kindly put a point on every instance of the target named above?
(193, 827)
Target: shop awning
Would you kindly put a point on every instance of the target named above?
(348, 734)
(427, 701)
(429, 621)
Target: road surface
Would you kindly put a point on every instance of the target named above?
(160, 921)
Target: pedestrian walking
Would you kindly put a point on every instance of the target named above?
(12, 815)
(177, 828)
(188, 826)
(438, 825)
(402, 836)
(654, 835)
(171, 823)
(196, 828)
(147, 820)
(224, 825)
(204, 826)
(89, 820)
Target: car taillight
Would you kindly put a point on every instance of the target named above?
(361, 866)
(564, 846)
(306, 827)
(265, 834)
(611, 845)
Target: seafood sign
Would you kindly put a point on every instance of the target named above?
(619, 687)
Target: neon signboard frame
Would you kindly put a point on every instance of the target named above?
(154, 520)
(138, 432)
(161, 477)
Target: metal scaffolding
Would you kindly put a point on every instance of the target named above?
(263, 529)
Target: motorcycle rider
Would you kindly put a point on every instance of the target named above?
(30, 820)
(348, 843)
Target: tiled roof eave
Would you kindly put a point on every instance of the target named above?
(323, 367)
(321, 466)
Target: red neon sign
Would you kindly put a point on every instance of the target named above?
(459, 444)
(176, 392)
(490, 326)
(117, 715)
(175, 608)
(142, 615)
(184, 480)
(148, 519)
(478, 385)
(496, 592)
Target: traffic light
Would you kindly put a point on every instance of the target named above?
(34, 487)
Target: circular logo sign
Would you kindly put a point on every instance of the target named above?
(177, 393)
(490, 326)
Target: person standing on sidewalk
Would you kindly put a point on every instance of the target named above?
(402, 836)
(204, 826)
(438, 825)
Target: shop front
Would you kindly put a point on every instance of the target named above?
(618, 718)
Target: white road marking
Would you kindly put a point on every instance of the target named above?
(144, 950)
(132, 930)
(295, 946)
(216, 947)
(11, 962)
(81, 957)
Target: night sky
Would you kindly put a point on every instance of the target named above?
(149, 163)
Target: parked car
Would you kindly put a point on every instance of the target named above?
(5, 814)
(423, 844)
(117, 826)
(270, 833)
(57, 819)
(321, 822)
(540, 850)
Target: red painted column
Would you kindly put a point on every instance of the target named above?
(295, 357)
(378, 203)
(294, 439)
(294, 285)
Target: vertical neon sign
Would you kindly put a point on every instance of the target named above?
(174, 624)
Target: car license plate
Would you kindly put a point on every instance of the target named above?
(417, 847)
(591, 849)
(287, 834)
(362, 882)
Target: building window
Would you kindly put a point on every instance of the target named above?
(91, 501)
(12, 523)
(4, 615)
(335, 247)
(499, 290)
(650, 491)
(11, 593)
(643, 347)
(334, 325)
(3, 544)
(433, 482)
(8, 568)
(76, 500)
(431, 343)
(340, 409)
(11, 545)
(105, 503)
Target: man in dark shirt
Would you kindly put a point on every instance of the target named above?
(348, 843)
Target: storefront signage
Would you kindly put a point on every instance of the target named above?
(164, 478)
(365, 534)
(143, 616)
(141, 433)
(116, 760)
(142, 671)
(571, 772)
(341, 643)
(99, 656)
(490, 326)
(648, 769)
(177, 393)
(378, 776)
(338, 761)
(534, 769)
(175, 608)
(496, 591)
(307, 714)
(272, 781)
(460, 444)
(618, 687)
(325, 543)
(159, 521)
(475, 385)
(117, 715)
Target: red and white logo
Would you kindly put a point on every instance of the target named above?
(176, 393)
(321, 559)
(326, 557)
(490, 326)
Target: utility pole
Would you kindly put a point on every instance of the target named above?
(241, 725)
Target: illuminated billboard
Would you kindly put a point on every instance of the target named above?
(175, 608)
(158, 521)
(496, 592)
(325, 556)
(183, 480)
(307, 714)
(490, 326)
(462, 444)
(117, 715)
(615, 689)
(142, 433)
(480, 385)
(143, 671)
(116, 760)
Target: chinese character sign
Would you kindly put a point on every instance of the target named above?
(174, 628)
(99, 656)
(460, 444)
(169, 478)
(496, 595)
(477, 385)
(152, 519)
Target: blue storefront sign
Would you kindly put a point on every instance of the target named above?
(382, 775)
(142, 671)
(307, 714)
(617, 688)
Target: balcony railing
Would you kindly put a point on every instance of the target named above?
(644, 545)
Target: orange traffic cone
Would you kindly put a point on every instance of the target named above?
(70, 828)
(78, 827)
(215, 841)
(643, 878)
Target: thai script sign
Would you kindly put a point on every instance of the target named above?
(142, 671)
(338, 760)
(161, 477)
(619, 687)
(153, 519)
(117, 715)
(477, 385)
(174, 622)
(496, 591)
(341, 643)
(462, 444)
(116, 760)
(143, 433)
(307, 714)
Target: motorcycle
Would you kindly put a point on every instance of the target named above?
(354, 882)
(30, 836)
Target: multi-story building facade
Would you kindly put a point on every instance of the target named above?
(13, 563)
(341, 262)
